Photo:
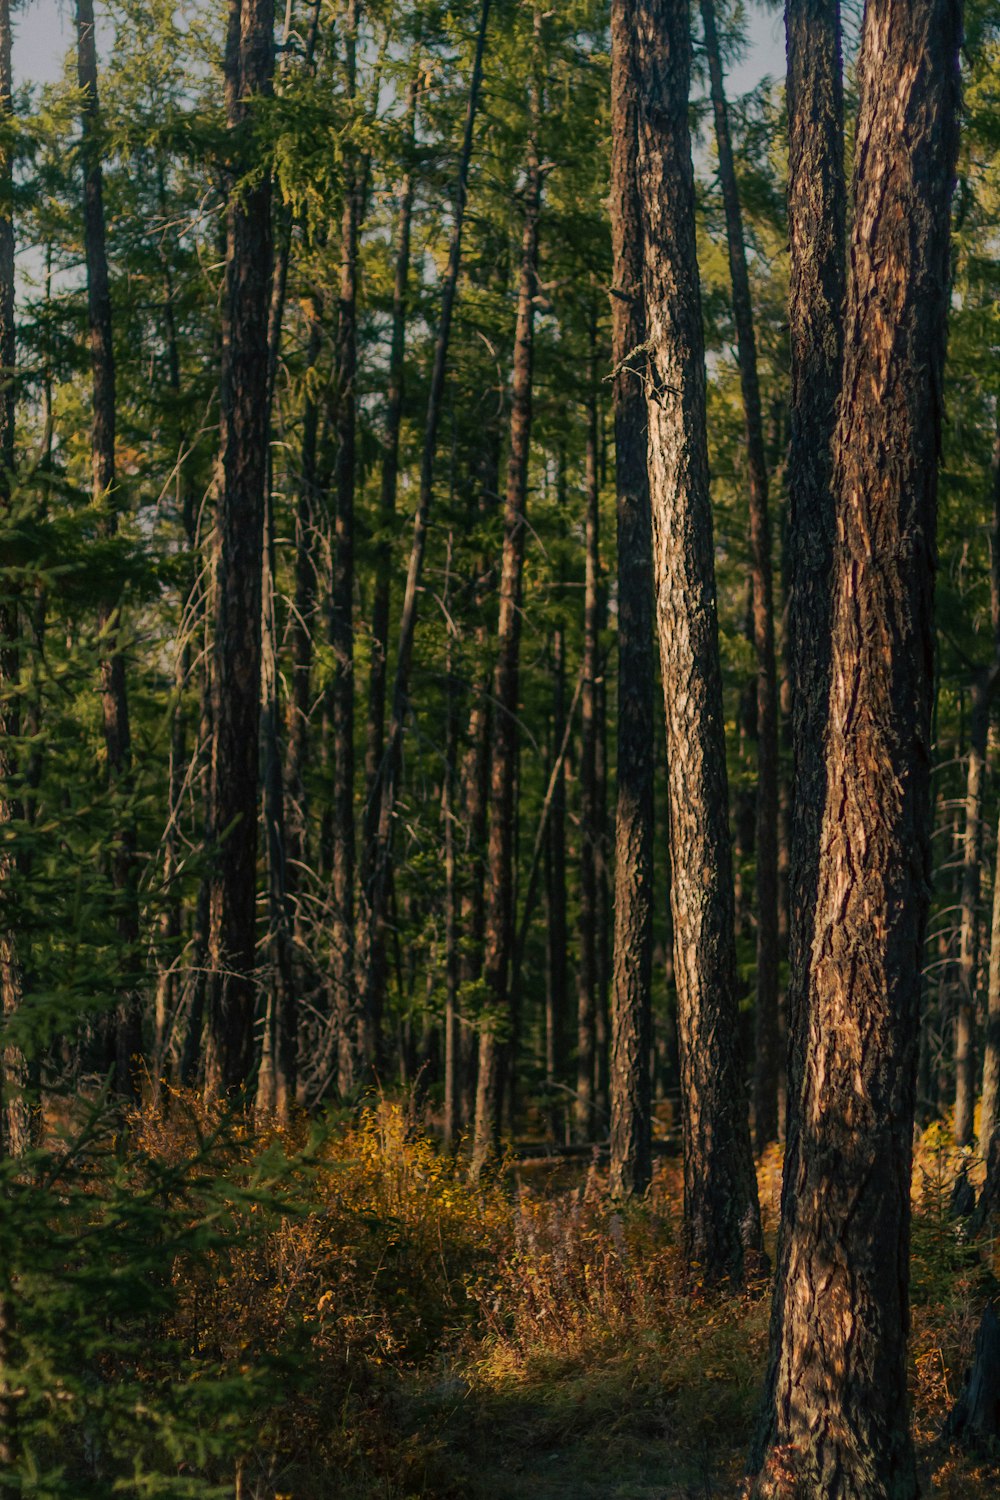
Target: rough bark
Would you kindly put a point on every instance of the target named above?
(816, 228)
(767, 1049)
(236, 653)
(499, 928)
(722, 1218)
(631, 1014)
(839, 1422)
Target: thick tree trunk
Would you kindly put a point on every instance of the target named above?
(499, 930)
(375, 892)
(767, 1051)
(355, 1030)
(114, 697)
(816, 222)
(236, 655)
(839, 1422)
(722, 1218)
(631, 1013)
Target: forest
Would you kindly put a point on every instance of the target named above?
(499, 750)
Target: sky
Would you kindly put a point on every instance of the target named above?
(43, 33)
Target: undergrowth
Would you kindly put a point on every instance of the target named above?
(343, 1316)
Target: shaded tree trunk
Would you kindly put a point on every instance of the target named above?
(722, 1218)
(587, 978)
(839, 1421)
(114, 696)
(631, 1007)
(499, 929)
(767, 1050)
(989, 1115)
(376, 885)
(236, 654)
(355, 1035)
(556, 937)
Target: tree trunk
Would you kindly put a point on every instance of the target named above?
(722, 1218)
(236, 655)
(971, 881)
(556, 939)
(590, 832)
(838, 1426)
(375, 893)
(499, 931)
(767, 1051)
(114, 698)
(382, 598)
(15, 1114)
(816, 220)
(355, 1035)
(631, 1012)
(989, 1115)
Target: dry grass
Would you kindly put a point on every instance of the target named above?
(520, 1339)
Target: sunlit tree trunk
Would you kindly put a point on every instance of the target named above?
(839, 1426)
(722, 1218)
(767, 1049)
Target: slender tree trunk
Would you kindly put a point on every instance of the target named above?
(236, 659)
(990, 1109)
(722, 1218)
(971, 883)
(114, 697)
(767, 1052)
(382, 598)
(839, 1426)
(499, 931)
(375, 893)
(631, 1009)
(355, 1036)
(983, 693)
(587, 933)
(15, 1113)
(556, 937)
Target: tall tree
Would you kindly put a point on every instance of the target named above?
(839, 1421)
(722, 1216)
(588, 968)
(352, 1022)
(816, 229)
(499, 930)
(631, 1012)
(766, 1060)
(114, 695)
(236, 652)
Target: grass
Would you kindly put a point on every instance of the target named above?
(524, 1338)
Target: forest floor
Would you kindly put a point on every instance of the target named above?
(525, 1340)
(528, 1340)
